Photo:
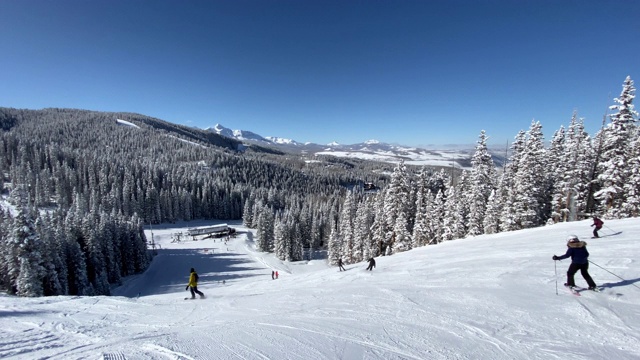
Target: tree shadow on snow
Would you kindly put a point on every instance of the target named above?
(169, 272)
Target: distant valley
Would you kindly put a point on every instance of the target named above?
(458, 156)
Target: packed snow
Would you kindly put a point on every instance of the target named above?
(490, 297)
(412, 157)
(127, 123)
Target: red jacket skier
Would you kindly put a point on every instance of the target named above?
(598, 224)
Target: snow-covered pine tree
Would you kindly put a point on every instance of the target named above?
(421, 224)
(558, 176)
(580, 157)
(346, 225)
(491, 220)
(632, 187)
(481, 184)
(265, 229)
(362, 233)
(506, 191)
(613, 168)
(25, 263)
(378, 229)
(281, 237)
(334, 247)
(51, 261)
(402, 241)
(530, 181)
(396, 201)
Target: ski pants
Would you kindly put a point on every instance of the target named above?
(595, 231)
(584, 271)
(194, 291)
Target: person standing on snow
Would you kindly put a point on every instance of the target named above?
(372, 264)
(193, 285)
(577, 250)
(598, 224)
(340, 265)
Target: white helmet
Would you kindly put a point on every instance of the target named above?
(573, 238)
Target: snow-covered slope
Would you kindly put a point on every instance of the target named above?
(490, 297)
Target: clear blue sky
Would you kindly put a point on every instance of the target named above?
(408, 72)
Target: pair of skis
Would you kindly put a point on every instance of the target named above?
(576, 290)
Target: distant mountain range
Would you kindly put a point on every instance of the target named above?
(373, 150)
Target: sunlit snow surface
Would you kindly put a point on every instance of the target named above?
(490, 297)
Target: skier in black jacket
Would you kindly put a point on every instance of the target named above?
(372, 264)
(577, 250)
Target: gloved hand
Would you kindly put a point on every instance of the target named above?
(187, 288)
(555, 257)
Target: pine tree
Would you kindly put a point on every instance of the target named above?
(25, 263)
(346, 228)
(507, 193)
(396, 201)
(614, 167)
(632, 187)
(481, 185)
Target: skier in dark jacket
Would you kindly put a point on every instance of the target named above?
(577, 250)
(193, 284)
(340, 265)
(372, 264)
(598, 224)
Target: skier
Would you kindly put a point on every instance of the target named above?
(273, 275)
(276, 274)
(372, 264)
(340, 266)
(193, 285)
(598, 224)
(577, 250)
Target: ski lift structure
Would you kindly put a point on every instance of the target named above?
(215, 231)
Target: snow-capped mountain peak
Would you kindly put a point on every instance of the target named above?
(372, 142)
(282, 141)
(236, 134)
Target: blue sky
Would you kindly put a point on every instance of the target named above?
(407, 72)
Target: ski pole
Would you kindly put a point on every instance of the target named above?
(610, 229)
(630, 283)
(555, 267)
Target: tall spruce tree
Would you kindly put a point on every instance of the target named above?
(481, 184)
(614, 170)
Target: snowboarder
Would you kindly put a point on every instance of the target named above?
(193, 285)
(598, 224)
(341, 266)
(273, 275)
(276, 274)
(577, 250)
(372, 264)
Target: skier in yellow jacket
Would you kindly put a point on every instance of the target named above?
(193, 285)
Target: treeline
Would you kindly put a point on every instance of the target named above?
(577, 175)
(79, 172)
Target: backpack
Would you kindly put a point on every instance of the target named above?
(195, 277)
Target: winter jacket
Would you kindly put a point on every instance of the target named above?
(577, 251)
(597, 222)
(193, 279)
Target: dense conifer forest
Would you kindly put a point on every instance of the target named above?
(80, 186)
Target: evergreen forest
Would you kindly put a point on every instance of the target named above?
(79, 187)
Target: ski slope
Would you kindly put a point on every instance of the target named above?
(489, 297)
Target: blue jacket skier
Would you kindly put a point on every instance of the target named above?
(577, 250)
